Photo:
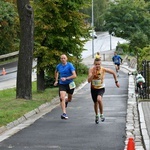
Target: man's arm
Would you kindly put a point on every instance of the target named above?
(73, 76)
(72, 69)
(56, 77)
(90, 75)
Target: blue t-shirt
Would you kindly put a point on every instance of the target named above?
(65, 71)
(117, 59)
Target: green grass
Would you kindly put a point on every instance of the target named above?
(6, 61)
(12, 108)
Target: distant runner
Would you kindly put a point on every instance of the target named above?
(117, 61)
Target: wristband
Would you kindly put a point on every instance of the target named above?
(116, 81)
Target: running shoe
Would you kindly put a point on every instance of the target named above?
(97, 119)
(66, 103)
(102, 118)
(64, 116)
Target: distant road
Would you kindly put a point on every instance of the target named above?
(103, 43)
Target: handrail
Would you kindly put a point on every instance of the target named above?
(9, 55)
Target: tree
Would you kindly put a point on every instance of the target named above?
(8, 26)
(59, 28)
(130, 19)
(24, 83)
(127, 17)
(99, 8)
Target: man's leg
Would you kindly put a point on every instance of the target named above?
(68, 99)
(100, 102)
(96, 108)
(94, 98)
(62, 101)
(69, 96)
(116, 67)
(96, 112)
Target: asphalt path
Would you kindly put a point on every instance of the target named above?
(79, 132)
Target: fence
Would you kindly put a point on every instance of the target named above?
(10, 55)
(146, 75)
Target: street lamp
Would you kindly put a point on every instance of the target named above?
(110, 42)
(92, 31)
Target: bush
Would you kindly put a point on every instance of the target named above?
(49, 82)
(122, 48)
(81, 68)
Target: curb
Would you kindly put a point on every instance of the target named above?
(145, 135)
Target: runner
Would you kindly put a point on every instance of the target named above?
(65, 73)
(96, 77)
(117, 61)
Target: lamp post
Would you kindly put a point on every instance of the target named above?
(92, 31)
(110, 42)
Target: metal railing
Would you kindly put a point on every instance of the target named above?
(146, 75)
(9, 55)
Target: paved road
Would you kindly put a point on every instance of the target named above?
(79, 132)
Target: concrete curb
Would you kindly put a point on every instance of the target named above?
(145, 135)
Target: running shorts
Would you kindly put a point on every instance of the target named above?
(96, 92)
(65, 87)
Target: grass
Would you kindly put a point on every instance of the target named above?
(12, 108)
(6, 61)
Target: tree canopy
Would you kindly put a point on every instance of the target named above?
(59, 28)
(127, 17)
(8, 28)
(130, 20)
(99, 8)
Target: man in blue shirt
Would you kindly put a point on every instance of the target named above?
(117, 61)
(64, 75)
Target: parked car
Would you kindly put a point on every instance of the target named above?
(93, 33)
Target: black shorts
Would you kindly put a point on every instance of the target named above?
(65, 87)
(117, 64)
(96, 92)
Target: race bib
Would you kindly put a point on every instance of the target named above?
(96, 82)
(72, 85)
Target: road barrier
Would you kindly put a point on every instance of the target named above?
(9, 55)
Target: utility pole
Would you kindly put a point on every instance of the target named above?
(110, 43)
(92, 31)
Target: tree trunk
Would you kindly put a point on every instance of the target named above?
(40, 79)
(24, 73)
